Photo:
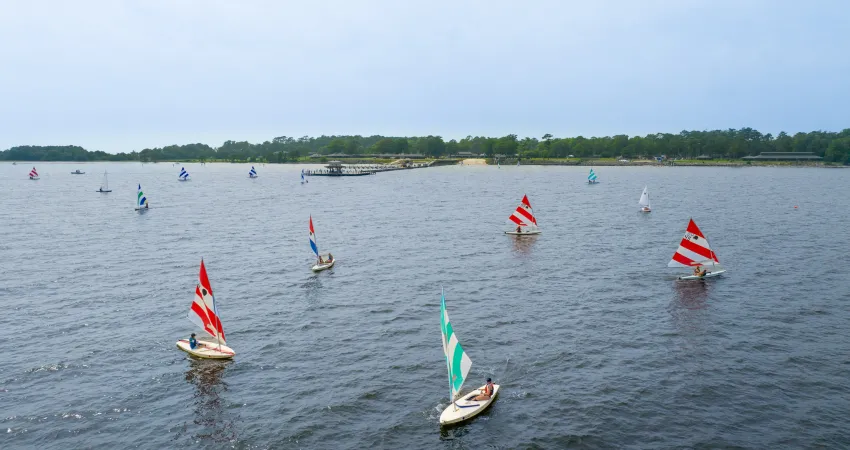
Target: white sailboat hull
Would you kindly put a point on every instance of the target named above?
(715, 273)
(523, 233)
(321, 267)
(33, 178)
(465, 408)
(646, 209)
(206, 350)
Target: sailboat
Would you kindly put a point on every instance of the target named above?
(524, 219)
(141, 200)
(695, 252)
(591, 177)
(644, 201)
(303, 178)
(323, 262)
(104, 185)
(184, 176)
(458, 364)
(33, 174)
(204, 314)
(252, 173)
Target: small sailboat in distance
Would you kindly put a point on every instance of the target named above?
(104, 185)
(644, 201)
(184, 176)
(323, 262)
(303, 178)
(591, 177)
(252, 173)
(33, 174)
(523, 217)
(204, 314)
(141, 200)
(694, 252)
(459, 364)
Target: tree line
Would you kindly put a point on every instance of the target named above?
(725, 144)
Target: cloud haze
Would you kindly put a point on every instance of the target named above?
(125, 75)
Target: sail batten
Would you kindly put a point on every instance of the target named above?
(693, 249)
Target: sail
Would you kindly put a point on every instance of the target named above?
(313, 243)
(644, 198)
(203, 312)
(302, 176)
(33, 173)
(591, 176)
(523, 216)
(104, 185)
(183, 174)
(253, 172)
(457, 360)
(141, 198)
(693, 249)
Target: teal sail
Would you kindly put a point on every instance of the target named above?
(456, 359)
(591, 177)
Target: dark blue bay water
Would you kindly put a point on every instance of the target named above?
(594, 342)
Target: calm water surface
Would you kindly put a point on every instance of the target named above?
(593, 341)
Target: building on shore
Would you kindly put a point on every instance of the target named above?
(784, 156)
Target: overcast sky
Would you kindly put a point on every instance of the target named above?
(124, 75)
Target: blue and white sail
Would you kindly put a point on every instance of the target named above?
(252, 173)
(303, 179)
(591, 177)
(457, 360)
(141, 200)
(313, 243)
(184, 176)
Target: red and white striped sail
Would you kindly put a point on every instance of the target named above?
(693, 250)
(33, 173)
(203, 312)
(523, 216)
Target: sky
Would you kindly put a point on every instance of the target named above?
(118, 76)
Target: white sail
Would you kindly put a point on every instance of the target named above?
(644, 199)
(104, 185)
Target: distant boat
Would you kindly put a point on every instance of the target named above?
(459, 363)
(204, 314)
(141, 200)
(303, 178)
(644, 201)
(252, 173)
(104, 185)
(321, 263)
(523, 217)
(77, 172)
(184, 176)
(591, 177)
(33, 174)
(695, 252)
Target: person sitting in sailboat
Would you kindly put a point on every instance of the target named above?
(699, 272)
(321, 261)
(330, 258)
(518, 229)
(487, 392)
(192, 341)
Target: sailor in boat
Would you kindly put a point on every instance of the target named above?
(321, 261)
(699, 271)
(193, 343)
(518, 229)
(330, 258)
(487, 392)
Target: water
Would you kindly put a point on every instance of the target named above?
(593, 341)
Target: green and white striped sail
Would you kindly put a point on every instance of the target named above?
(458, 362)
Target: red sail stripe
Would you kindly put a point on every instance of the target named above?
(696, 248)
(525, 201)
(694, 229)
(682, 259)
(525, 213)
(201, 312)
(205, 281)
(516, 220)
(311, 225)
